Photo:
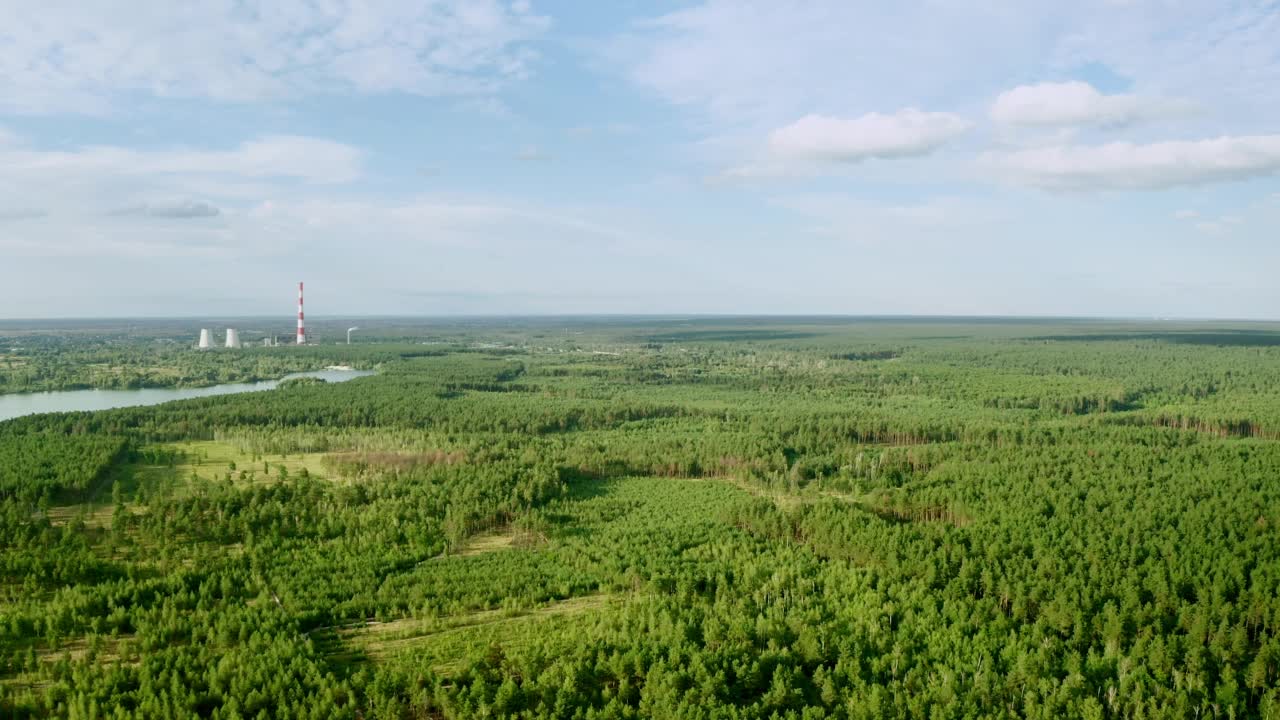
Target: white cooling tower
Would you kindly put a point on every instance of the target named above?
(206, 339)
(233, 338)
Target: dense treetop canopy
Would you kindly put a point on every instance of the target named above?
(704, 519)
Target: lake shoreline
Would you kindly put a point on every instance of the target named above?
(248, 379)
(17, 405)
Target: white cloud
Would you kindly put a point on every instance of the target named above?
(1186, 215)
(87, 56)
(310, 159)
(830, 139)
(1221, 54)
(817, 142)
(109, 201)
(754, 64)
(1074, 103)
(261, 198)
(760, 63)
(1129, 166)
(739, 69)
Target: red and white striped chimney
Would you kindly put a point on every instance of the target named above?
(302, 331)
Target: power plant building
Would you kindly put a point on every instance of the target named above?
(232, 338)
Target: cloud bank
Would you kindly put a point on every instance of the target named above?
(313, 160)
(88, 56)
(905, 133)
(1130, 166)
(181, 210)
(815, 143)
(1074, 103)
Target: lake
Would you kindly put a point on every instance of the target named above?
(12, 406)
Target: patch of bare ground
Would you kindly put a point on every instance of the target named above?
(510, 537)
(787, 500)
(446, 638)
(358, 463)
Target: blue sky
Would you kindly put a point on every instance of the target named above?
(1102, 157)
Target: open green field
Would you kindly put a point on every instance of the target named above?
(659, 518)
(211, 459)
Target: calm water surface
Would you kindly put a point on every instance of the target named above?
(12, 406)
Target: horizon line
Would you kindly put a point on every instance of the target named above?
(638, 315)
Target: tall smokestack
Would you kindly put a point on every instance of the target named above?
(302, 332)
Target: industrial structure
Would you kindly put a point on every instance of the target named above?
(302, 332)
(232, 339)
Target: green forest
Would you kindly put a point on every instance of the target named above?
(651, 518)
